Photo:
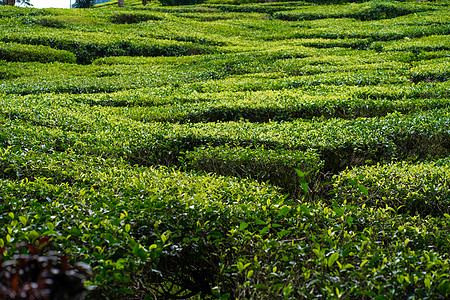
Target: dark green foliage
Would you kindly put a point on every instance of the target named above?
(41, 277)
(131, 18)
(83, 3)
(51, 22)
(180, 2)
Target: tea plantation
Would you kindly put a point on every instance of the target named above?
(231, 150)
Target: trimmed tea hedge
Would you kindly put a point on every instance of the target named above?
(28, 53)
(432, 70)
(88, 46)
(108, 132)
(371, 10)
(428, 43)
(164, 227)
(413, 188)
(266, 106)
(274, 166)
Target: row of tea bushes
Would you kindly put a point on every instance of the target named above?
(29, 53)
(421, 188)
(350, 62)
(349, 28)
(111, 80)
(39, 78)
(428, 43)
(266, 70)
(440, 90)
(277, 81)
(88, 46)
(434, 70)
(175, 38)
(371, 10)
(332, 43)
(285, 105)
(142, 97)
(122, 228)
(263, 8)
(264, 165)
(83, 169)
(108, 131)
(182, 103)
(387, 99)
(214, 235)
(119, 73)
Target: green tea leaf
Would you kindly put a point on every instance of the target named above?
(243, 226)
(50, 226)
(305, 210)
(332, 259)
(23, 220)
(284, 211)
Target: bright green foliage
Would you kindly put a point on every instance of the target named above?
(218, 151)
(421, 188)
(274, 166)
(130, 18)
(28, 53)
(371, 10)
(428, 43)
(432, 70)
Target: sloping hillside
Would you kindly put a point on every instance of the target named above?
(279, 150)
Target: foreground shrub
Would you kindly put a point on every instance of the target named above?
(184, 234)
(37, 276)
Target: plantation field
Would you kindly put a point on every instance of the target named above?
(275, 150)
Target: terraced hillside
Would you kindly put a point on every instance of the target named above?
(279, 150)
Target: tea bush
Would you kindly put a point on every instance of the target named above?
(89, 46)
(431, 70)
(372, 10)
(386, 30)
(421, 90)
(130, 18)
(428, 43)
(28, 53)
(248, 7)
(109, 132)
(413, 188)
(219, 222)
(264, 165)
(145, 219)
(180, 2)
(266, 106)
